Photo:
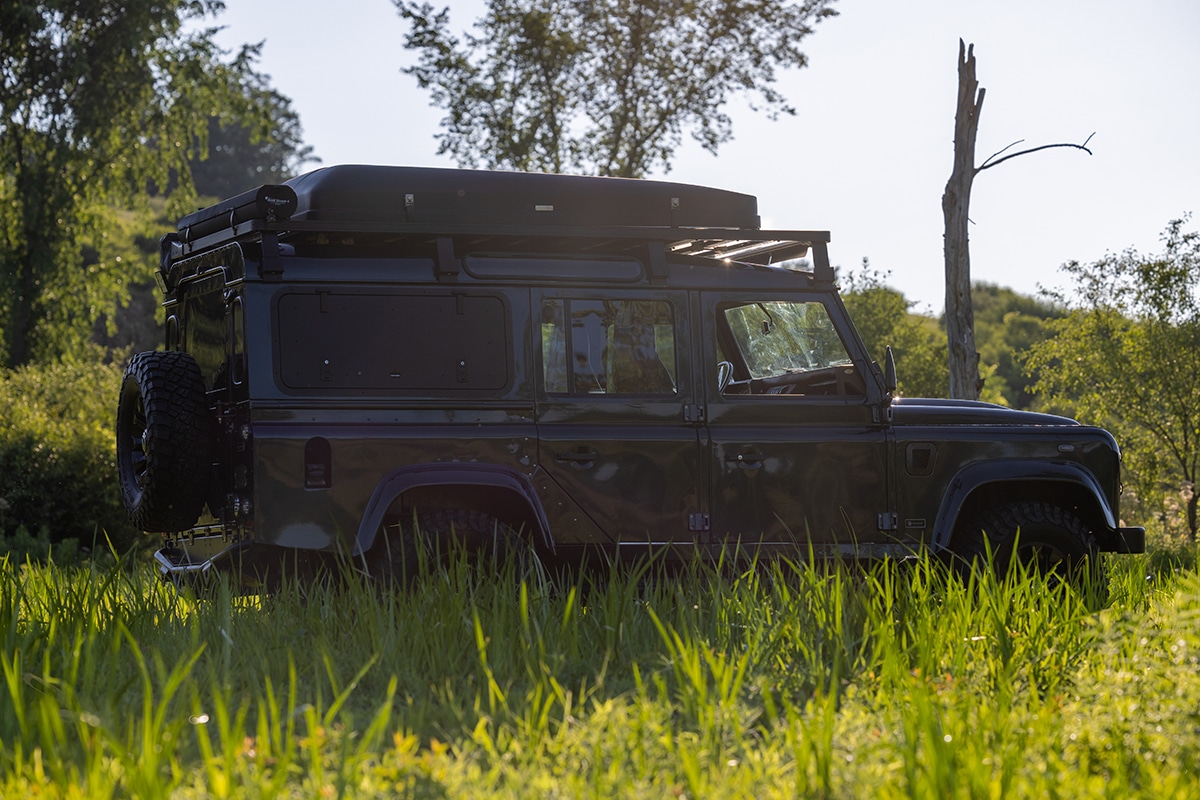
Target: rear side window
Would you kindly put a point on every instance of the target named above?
(206, 332)
(380, 341)
(608, 347)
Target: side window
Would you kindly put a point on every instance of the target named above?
(608, 347)
(205, 333)
(378, 342)
(786, 347)
(237, 369)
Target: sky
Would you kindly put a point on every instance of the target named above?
(868, 154)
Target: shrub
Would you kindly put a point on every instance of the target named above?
(58, 467)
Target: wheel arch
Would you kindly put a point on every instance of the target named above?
(1068, 485)
(503, 493)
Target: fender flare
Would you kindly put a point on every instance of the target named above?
(975, 476)
(404, 479)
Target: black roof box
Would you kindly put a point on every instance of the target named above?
(270, 203)
(373, 195)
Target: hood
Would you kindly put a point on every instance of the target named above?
(938, 411)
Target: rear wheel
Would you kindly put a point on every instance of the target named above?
(1043, 536)
(402, 549)
(478, 533)
(397, 555)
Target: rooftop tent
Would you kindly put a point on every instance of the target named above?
(375, 194)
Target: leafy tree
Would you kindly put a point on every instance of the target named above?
(604, 86)
(1007, 324)
(99, 98)
(883, 317)
(239, 157)
(1128, 356)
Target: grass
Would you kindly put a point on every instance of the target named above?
(778, 680)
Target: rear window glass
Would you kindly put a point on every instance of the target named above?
(608, 347)
(205, 334)
(379, 341)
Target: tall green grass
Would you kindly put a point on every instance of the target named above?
(781, 679)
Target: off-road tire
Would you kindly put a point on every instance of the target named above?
(441, 533)
(396, 557)
(479, 533)
(1050, 539)
(163, 441)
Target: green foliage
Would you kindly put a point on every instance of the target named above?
(1007, 324)
(22, 547)
(58, 457)
(603, 87)
(781, 680)
(883, 317)
(98, 99)
(1127, 356)
(239, 157)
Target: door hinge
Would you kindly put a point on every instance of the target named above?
(889, 521)
(693, 412)
(698, 523)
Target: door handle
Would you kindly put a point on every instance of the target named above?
(751, 460)
(578, 458)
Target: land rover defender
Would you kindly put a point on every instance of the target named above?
(367, 359)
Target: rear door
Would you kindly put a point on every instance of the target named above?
(615, 432)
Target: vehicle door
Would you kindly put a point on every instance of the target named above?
(614, 429)
(796, 450)
(207, 321)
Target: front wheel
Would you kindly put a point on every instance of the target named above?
(1044, 537)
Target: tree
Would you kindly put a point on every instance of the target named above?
(965, 382)
(1128, 355)
(239, 157)
(883, 318)
(602, 86)
(99, 98)
(1007, 324)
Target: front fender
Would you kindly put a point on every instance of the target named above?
(404, 479)
(980, 476)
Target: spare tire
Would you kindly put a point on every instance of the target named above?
(163, 441)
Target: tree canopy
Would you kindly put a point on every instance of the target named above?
(602, 86)
(1128, 356)
(98, 99)
(882, 316)
(239, 157)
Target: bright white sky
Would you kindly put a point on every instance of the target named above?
(869, 153)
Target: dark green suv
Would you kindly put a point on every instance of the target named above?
(365, 358)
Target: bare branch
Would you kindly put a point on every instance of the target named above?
(989, 163)
(1001, 150)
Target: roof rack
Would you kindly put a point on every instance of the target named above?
(685, 220)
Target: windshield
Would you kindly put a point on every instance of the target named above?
(777, 337)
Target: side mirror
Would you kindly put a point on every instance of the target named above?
(724, 374)
(889, 371)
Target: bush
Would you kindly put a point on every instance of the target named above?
(58, 469)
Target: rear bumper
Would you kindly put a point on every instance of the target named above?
(177, 566)
(251, 567)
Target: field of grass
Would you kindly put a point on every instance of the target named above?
(786, 680)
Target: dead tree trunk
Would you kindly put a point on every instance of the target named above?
(965, 382)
